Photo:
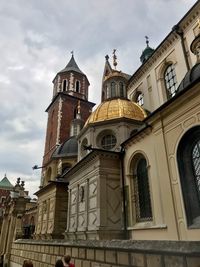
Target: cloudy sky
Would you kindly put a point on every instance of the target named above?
(36, 37)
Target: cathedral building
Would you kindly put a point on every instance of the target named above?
(128, 170)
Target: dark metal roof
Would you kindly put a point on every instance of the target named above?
(72, 66)
(191, 76)
(67, 149)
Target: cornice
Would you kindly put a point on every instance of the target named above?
(93, 155)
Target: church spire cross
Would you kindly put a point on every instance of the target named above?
(114, 58)
(72, 52)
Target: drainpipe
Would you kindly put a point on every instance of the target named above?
(122, 153)
(177, 29)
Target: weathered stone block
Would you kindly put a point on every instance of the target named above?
(193, 262)
(68, 251)
(137, 259)
(56, 250)
(86, 264)
(78, 263)
(74, 252)
(46, 249)
(111, 256)
(90, 254)
(99, 255)
(95, 264)
(154, 260)
(51, 250)
(173, 261)
(123, 258)
(53, 259)
(44, 257)
(62, 251)
(81, 253)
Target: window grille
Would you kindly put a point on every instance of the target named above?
(108, 141)
(196, 165)
(170, 81)
(121, 89)
(142, 193)
(113, 89)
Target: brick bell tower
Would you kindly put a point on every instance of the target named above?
(70, 89)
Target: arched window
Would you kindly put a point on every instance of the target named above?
(121, 89)
(140, 99)
(170, 81)
(188, 155)
(113, 89)
(142, 192)
(108, 141)
(65, 84)
(77, 86)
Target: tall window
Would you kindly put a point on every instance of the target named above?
(140, 99)
(65, 83)
(121, 89)
(77, 86)
(142, 193)
(113, 89)
(188, 156)
(170, 81)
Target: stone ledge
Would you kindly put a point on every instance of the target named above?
(189, 248)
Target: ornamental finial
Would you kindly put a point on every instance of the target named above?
(72, 52)
(147, 40)
(114, 58)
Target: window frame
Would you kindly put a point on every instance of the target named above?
(190, 196)
(137, 206)
(173, 78)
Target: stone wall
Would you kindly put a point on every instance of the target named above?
(108, 253)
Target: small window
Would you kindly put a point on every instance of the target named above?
(108, 141)
(170, 81)
(140, 99)
(121, 89)
(65, 84)
(113, 89)
(77, 86)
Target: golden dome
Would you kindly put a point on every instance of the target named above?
(117, 108)
(116, 73)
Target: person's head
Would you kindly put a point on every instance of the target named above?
(67, 259)
(59, 263)
(27, 263)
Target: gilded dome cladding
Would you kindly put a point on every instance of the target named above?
(115, 74)
(117, 108)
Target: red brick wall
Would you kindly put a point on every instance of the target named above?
(69, 104)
